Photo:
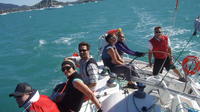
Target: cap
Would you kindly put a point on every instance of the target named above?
(22, 88)
(113, 31)
(69, 62)
(119, 29)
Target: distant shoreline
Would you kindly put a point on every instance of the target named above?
(43, 6)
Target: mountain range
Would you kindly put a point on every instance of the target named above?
(6, 8)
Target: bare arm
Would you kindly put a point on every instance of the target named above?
(170, 52)
(170, 55)
(87, 92)
(118, 56)
(113, 55)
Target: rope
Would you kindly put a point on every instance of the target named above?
(186, 107)
(26, 108)
(183, 48)
(87, 105)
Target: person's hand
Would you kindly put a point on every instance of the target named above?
(100, 110)
(139, 54)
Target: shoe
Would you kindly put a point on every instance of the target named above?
(111, 83)
(182, 79)
(132, 86)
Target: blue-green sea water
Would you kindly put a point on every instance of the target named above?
(34, 43)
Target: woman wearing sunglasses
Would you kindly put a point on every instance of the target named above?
(73, 90)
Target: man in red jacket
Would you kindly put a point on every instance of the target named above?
(31, 100)
(161, 50)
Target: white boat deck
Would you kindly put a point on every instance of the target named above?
(169, 96)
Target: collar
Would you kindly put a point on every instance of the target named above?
(158, 38)
(34, 98)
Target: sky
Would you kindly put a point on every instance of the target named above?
(26, 2)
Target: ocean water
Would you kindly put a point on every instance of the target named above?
(34, 43)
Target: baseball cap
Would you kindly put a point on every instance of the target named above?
(22, 88)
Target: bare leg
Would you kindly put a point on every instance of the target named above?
(177, 73)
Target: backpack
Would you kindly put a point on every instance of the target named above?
(58, 92)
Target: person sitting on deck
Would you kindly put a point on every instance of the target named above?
(73, 90)
(116, 64)
(88, 65)
(121, 45)
(161, 50)
(31, 100)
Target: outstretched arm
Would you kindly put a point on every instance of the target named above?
(78, 84)
(124, 48)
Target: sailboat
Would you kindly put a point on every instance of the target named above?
(162, 93)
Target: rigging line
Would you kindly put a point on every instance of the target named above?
(186, 81)
(87, 105)
(174, 21)
(183, 48)
(174, 16)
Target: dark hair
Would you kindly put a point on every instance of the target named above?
(108, 37)
(157, 27)
(84, 44)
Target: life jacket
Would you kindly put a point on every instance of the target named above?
(160, 44)
(107, 60)
(91, 60)
(44, 104)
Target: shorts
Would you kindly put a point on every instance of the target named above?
(158, 65)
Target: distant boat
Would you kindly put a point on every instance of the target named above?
(56, 6)
(5, 13)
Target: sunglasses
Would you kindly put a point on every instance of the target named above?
(82, 50)
(122, 37)
(17, 96)
(65, 68)
(158, 32)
